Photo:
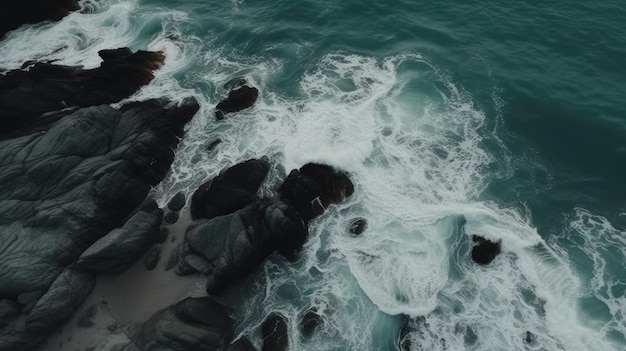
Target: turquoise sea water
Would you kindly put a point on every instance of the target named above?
(454, 118)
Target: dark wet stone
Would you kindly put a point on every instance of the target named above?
(9, 311)
(213, 144)
(227, 248)
(357, 226)
(163, 234)
(242, 344)
(17, 13)
(314, 187)
(530, 338)
(237, 100)
(231, 190)
(484, 251)
(310, 322)
(275, 336)
(177, 202)
(27, 95)
(152, 258)
(192, 324)
(171, 217)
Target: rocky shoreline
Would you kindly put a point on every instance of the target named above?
(75, 174)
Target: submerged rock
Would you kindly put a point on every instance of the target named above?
(26, 95)
(357, 226)
(171, 217)
(484, 251)
(231, 190)
(309, 322)
(314, 187)
(152, 258)
(275, 336)
(237, 100)
(192, 324)
(17, 13)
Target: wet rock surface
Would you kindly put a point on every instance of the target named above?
(238, 99)
(17, 13)
(484, 251)
(275, 335)
(314, 187)
(357, 226)
(231, 190)
(26, 95)
(192, 324)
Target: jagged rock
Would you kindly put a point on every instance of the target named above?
(152, 258)
(309, 322)
(357, 226)
(33, 11)
(26, 95)
(237, 100)
(116, 251)
(231, 190)
(313, 188)
(231, 246)
(242, 344)
(67, 183)
(484, 251)
(275, 336)
(177, 202)
(171, 217)
(192, 324)
(66, 293)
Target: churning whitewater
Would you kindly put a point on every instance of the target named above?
(422, 151)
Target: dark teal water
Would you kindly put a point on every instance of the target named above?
(454, 118)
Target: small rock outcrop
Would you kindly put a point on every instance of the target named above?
(357, 226)
(484, 251)
(237, 100)
(312, 188)
(231, 190)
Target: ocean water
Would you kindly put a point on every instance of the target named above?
(453, 118)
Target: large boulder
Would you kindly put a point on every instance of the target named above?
(27, 94)
(190, 325)
(237, 100)
(231, 190)
(17, 13)
(312, 188)
(116, 251)
(229, 247)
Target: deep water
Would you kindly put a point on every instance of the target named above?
(453, 118)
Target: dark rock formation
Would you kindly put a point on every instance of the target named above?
(309, 322)
(230, 191)
(17, 13)
(65, 185)
(192, 324)
(177, 202)
(213, 144)
(275, 336)
(242, 344)
(152, 258)
(229, 247)
(484, 251)
(116, 251)
(313, 188)
(357, 226)
(25, 95)
(237, 100)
